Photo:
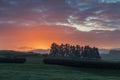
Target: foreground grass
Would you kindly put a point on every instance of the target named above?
(34, 69)
(54, 72)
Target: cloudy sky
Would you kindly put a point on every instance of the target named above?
(33, 24)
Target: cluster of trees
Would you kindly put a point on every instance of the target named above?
(71, 50)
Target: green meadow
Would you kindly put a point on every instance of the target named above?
(35, 69)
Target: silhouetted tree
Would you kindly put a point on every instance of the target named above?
(71, 50)
(77, 50)
(54, 49)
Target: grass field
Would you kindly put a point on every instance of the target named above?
(32, 71)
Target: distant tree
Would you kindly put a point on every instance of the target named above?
(96, 53)
(77, 50)
(54, 49)
(71, 50)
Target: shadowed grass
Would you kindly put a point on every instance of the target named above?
(34, 69)
(54, 72)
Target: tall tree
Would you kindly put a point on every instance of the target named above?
(71, 50)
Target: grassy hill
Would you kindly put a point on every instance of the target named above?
(50, 72)
(34, 69)
(31, 70)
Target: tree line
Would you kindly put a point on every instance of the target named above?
(74, 51)
(74, 62)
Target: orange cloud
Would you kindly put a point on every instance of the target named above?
(41, 37)
(34, 37)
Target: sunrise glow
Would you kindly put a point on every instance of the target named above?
(35, 24)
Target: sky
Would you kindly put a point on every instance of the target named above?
(35, 24)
